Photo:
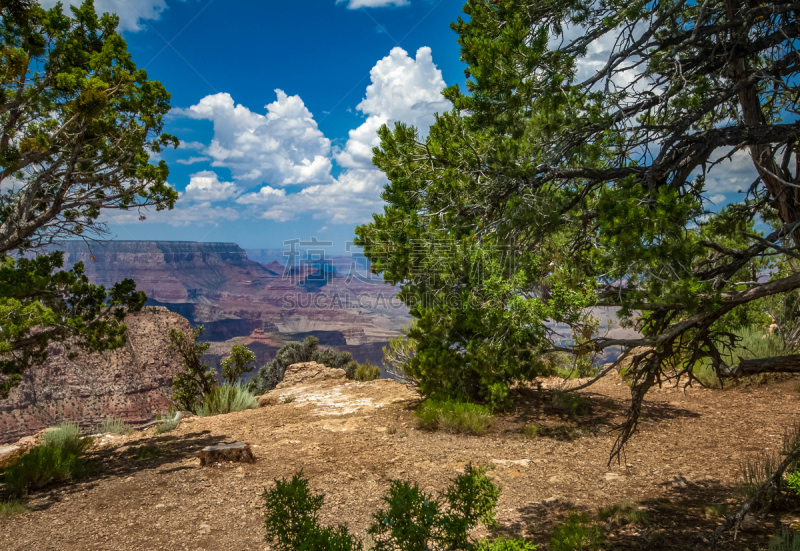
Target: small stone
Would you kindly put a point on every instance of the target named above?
(749, 522)
(204, 529)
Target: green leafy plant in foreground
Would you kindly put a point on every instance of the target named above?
(412, 520)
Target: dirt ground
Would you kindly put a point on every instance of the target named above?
(351, 440)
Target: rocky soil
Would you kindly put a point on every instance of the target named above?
(351, 439)
(134, 382)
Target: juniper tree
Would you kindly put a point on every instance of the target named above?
(561, 182)
(241, 361)
(78, 125)
(196, 381)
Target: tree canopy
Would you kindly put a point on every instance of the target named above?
(78, 125)
(562, 181)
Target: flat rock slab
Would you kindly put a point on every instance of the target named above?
(310, 372)
(238, 452)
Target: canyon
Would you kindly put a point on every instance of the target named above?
(263, 305)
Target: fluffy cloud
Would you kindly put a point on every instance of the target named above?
(402, 89)
(205, 186)
(350, 199)
(288, 157)
(356, 4)
(131, 13)
(282, 147)
(263, 196)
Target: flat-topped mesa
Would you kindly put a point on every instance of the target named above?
(168, 271)
(155, 251)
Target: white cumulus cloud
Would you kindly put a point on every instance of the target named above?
(283, 154)
(263, 196)
(402, 89)
(132, 13)
(282, 147)
(205, 186)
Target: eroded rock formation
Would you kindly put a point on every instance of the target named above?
(133, 382)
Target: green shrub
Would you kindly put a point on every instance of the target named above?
(272, 373)
(455, 417)
(291, 523)
(11, 508)
(784, 540)
(570, 403)
(227, 398)
(196, 379)
(367, 372)
(576, 534)
(411, 521)
(531, 430)
(167, 426)
(68, 437)
(114, 425)
(793, 482)
(625, 512)
(704, 372)
(505, 545)
(288, 399)
(755, 471)
(145, 452)
(41, 466)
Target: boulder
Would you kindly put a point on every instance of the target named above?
(310, 372)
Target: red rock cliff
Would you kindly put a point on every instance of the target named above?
(133, 382)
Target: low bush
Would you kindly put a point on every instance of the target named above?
(531, 430)
(11, 508)
(625, 512)
(114, 425)
(227, 398)
(505, 545)
(167, 426)
(66, 436)
(145, 452)
(41, 466)
(704, 372)
(412, 520)
(367, 372)
(454, 417)
(289, 399)
(576, 534)
(784, 539)
(570, 403)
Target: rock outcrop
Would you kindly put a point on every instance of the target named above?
(133, 382)
(310, 372)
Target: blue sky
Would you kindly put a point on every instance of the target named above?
(257, 166)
